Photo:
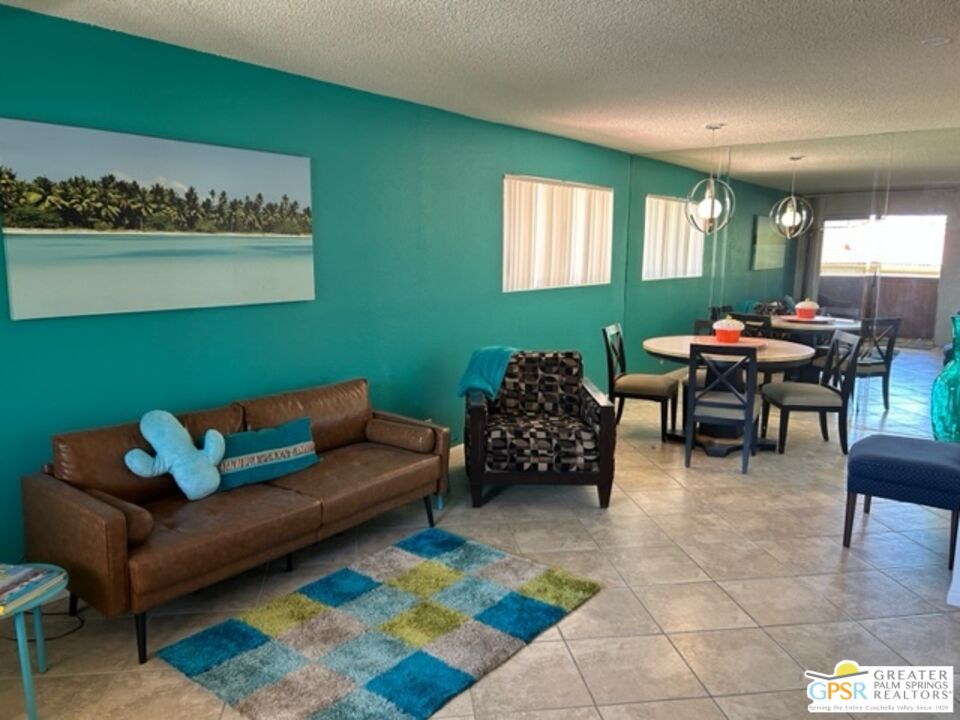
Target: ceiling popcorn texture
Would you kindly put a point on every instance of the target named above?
(644, 77)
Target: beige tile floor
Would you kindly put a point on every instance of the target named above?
(719, 588)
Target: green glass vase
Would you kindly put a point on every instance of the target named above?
(945, 398)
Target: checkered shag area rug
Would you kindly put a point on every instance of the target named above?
(396, 635)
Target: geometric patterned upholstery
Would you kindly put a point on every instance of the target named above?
(914, 470)
(540, 443)
(542, 419)
(541, 383)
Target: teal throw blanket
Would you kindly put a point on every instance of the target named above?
(485, 370)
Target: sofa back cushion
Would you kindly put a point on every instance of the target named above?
(93, 459)
(338, 413)
(541, 383)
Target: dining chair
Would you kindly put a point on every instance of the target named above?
(720, 311)
(700, 327)
(831, 395)
(728, 395)
(622, 386)
(877, 351)
(755, 325)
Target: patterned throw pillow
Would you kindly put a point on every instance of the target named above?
(259, 455)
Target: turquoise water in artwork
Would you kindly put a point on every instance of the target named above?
(56, 274)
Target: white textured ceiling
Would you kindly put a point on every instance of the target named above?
(639, 75)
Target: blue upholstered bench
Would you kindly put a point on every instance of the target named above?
(905, 469)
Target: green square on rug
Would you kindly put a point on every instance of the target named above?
(396, 635)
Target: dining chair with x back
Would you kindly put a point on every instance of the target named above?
(831, 395)
(728, 395)
(622, 386)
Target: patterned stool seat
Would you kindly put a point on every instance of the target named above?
(540, 443)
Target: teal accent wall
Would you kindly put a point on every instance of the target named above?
(407, 208)
(668, 307)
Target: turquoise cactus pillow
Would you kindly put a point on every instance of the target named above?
(194, 470)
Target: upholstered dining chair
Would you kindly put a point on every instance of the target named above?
(877, 351)
(831, 395)
(728, 395)
(548, 424)
(623, 386)
(700, 327)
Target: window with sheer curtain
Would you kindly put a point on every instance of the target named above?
(672, 247)
(555, 234)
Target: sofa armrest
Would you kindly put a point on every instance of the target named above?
(474, 433)
(85, 536)
(597, 410)
(441, 446)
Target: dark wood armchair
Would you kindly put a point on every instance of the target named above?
(547, 425)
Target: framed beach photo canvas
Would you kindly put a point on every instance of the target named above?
(98, 222)
(769, 246)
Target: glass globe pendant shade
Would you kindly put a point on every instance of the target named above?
(792, 216)
(710, 205)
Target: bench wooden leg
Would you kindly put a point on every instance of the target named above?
(851, 514)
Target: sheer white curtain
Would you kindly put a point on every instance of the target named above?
(672, 247)
(555, 234)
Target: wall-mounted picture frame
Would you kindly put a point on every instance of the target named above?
(769, 246)
(97, 222)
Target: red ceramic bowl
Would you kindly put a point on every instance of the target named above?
(806, 313)
(727, 336)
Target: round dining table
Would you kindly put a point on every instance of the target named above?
(772, 356)
(820, 324)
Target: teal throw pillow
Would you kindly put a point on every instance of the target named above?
(260, 455)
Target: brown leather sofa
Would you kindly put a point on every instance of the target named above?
(131, 543)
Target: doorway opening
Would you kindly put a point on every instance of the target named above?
(884, 267)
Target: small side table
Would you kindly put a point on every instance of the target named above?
(23, 642)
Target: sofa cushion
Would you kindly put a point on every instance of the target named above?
(259, 455)
(338, 413)
(417, 438)
(191, 539)
(359, 476)
(93, 459)
(541, 443)
(542, 383)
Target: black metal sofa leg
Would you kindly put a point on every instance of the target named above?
(429, 506)
(74, 605)
(140, 620)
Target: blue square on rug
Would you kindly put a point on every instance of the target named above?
(470, 557)
(471, 595)
(213, 646)
(363, 705)
(520, 616)
(339, 587)
(366, 656)
(430, 543)
(420, 685)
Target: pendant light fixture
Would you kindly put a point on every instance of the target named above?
(793, 215)
(711, 202)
